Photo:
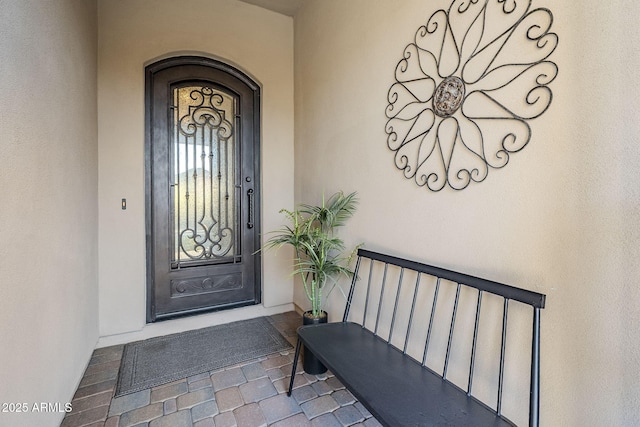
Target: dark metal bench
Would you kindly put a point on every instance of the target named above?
(375, 361)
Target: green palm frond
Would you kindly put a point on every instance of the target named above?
(319, 258)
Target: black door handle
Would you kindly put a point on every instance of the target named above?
(250, 197)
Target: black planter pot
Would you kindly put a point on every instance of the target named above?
(311, 364)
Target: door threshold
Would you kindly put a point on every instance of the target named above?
(183, 324)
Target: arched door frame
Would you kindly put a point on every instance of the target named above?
(191, 70)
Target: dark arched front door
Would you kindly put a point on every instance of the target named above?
(202, 185)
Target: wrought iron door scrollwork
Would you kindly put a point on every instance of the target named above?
(205, 220)
(466, 88)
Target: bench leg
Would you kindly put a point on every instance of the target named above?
(295, 365)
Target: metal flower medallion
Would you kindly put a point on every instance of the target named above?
(466, 89)
(448, 96)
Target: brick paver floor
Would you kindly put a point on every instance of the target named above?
(250, 394)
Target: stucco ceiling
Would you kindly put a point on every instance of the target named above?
(286, 7)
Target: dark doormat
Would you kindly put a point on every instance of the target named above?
(161, 360)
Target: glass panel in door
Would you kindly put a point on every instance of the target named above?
(204, 214)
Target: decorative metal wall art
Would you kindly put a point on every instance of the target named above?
(465, 89)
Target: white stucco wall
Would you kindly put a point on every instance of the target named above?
(131, 35)
(48, 203)
(562, 218)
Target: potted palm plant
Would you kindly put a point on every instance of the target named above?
(319, 255)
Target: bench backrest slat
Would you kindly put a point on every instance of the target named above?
(384, 282)
(433, 314)
(395, 305)
(503, 346)
(453, 325)
(413, 307)
(479, 286)
(474, 345)
(366, 300)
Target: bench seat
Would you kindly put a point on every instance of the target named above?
(395, 388)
